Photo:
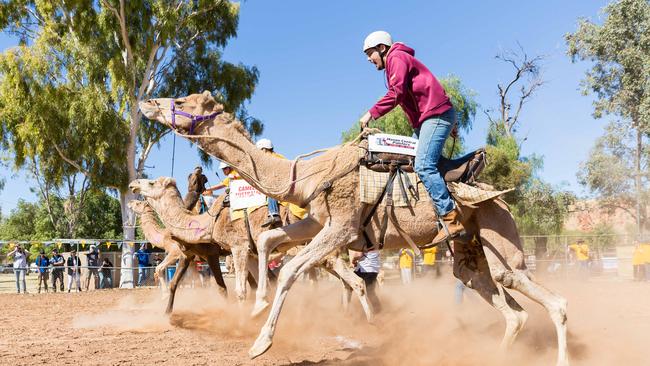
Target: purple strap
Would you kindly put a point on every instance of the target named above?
(194, 118)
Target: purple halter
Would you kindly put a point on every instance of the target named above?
(195, 119)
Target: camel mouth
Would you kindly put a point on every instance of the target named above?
(148, 108)
(134, 187)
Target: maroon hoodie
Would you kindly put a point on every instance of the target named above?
(412, 86)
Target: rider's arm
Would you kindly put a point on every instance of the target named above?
(397, 85)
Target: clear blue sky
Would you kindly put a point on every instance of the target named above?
(315, 81)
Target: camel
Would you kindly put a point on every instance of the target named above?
(329, 184)
(185, 254)
(215, 226)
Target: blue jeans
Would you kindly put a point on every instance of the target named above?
(458, 293)
(20, 277)
(432, 135)
(273, 207)
(142, 275)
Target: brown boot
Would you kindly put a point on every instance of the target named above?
(453, 226)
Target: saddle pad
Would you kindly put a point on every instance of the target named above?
(371, 184)
(470, 195)
(239, 213)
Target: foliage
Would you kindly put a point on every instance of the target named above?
(69, 91)
(99, 219)
(541, 208)
(618, 50)
(395, 122)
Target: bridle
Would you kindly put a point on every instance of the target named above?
(194, 118)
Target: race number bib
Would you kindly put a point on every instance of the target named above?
(395, 144)
(243, 195)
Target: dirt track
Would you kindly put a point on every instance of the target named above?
(609, 323)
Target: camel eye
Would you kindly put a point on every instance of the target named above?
(151, 183)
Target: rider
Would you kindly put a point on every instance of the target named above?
(195, 187)
(272, 204)
(230, 174)
(429, 111)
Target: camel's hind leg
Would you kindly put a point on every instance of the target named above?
(347, 290)
(471, 267)
(349, 278)
(213, 263)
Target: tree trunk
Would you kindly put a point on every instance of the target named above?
(128, 228)
(640, 207)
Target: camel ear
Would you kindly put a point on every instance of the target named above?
(168, 181)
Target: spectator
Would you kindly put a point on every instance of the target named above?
(57, 263)
(43, 263)
(429, 262)
(143, 262)
(406, 260)
(74, 270)
(105, 278)
(92, 258)
(581, 251)
(20, 266)
(367, 266)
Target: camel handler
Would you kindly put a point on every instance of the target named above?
(196, 182)
(430, 112)
(272, 204)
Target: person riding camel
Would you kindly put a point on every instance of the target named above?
(230, 173)
(272, 204)
(195, 187)
(429, 110)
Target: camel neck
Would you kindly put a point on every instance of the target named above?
(269, 174)
(151, 229)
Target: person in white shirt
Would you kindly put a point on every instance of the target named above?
(20, 266)
(367, 266)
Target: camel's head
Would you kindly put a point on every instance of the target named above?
(139, 207)
(182, 114)
(153, 189)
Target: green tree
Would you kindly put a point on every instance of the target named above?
(619, 50)
(70, 91)
(541, 208)
(395, 122)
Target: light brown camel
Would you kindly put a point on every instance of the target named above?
(329, 184)
(185, 254)
(215, 226)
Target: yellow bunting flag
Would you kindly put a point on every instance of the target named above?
(108, 245)
(83, 244)
(59, 245)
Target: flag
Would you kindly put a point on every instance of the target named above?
(108, 245)
(83, 244)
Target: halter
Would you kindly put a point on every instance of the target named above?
(194, 118)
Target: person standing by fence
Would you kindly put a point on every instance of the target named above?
(43, 264)
(406, 261)
(74, 270)
(20, 266)
(105, 278)
(367, 266)
(92, 258)
(57, 263)
(143, 262)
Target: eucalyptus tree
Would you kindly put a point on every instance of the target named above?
(69, 90)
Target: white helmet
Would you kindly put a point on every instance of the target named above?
(264, 144)
(223, 165)
(374, 39)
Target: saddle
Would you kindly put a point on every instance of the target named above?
(464, 169)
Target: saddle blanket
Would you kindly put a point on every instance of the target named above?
(371, 184)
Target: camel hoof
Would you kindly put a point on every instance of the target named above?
(262, 344)
(260, 306)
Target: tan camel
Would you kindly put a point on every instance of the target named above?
(215, 226)
(329, 184)
(185, 254)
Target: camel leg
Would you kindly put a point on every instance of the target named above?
(239, 259)
(330, 238)
(267, 241)
(347, 290)
(213, 263)
(356, 284)
(252, 268)
(183, 264)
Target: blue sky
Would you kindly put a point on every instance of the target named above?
(315, 81)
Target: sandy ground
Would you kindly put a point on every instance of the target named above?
(609, 323)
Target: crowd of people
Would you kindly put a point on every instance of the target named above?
(97, 269)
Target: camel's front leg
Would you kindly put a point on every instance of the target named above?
(239, 260)
(213, 263)
(333, 236)
(169, 259)
(183, 263)
(267, 241)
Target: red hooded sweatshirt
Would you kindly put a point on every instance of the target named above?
(412, 86)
